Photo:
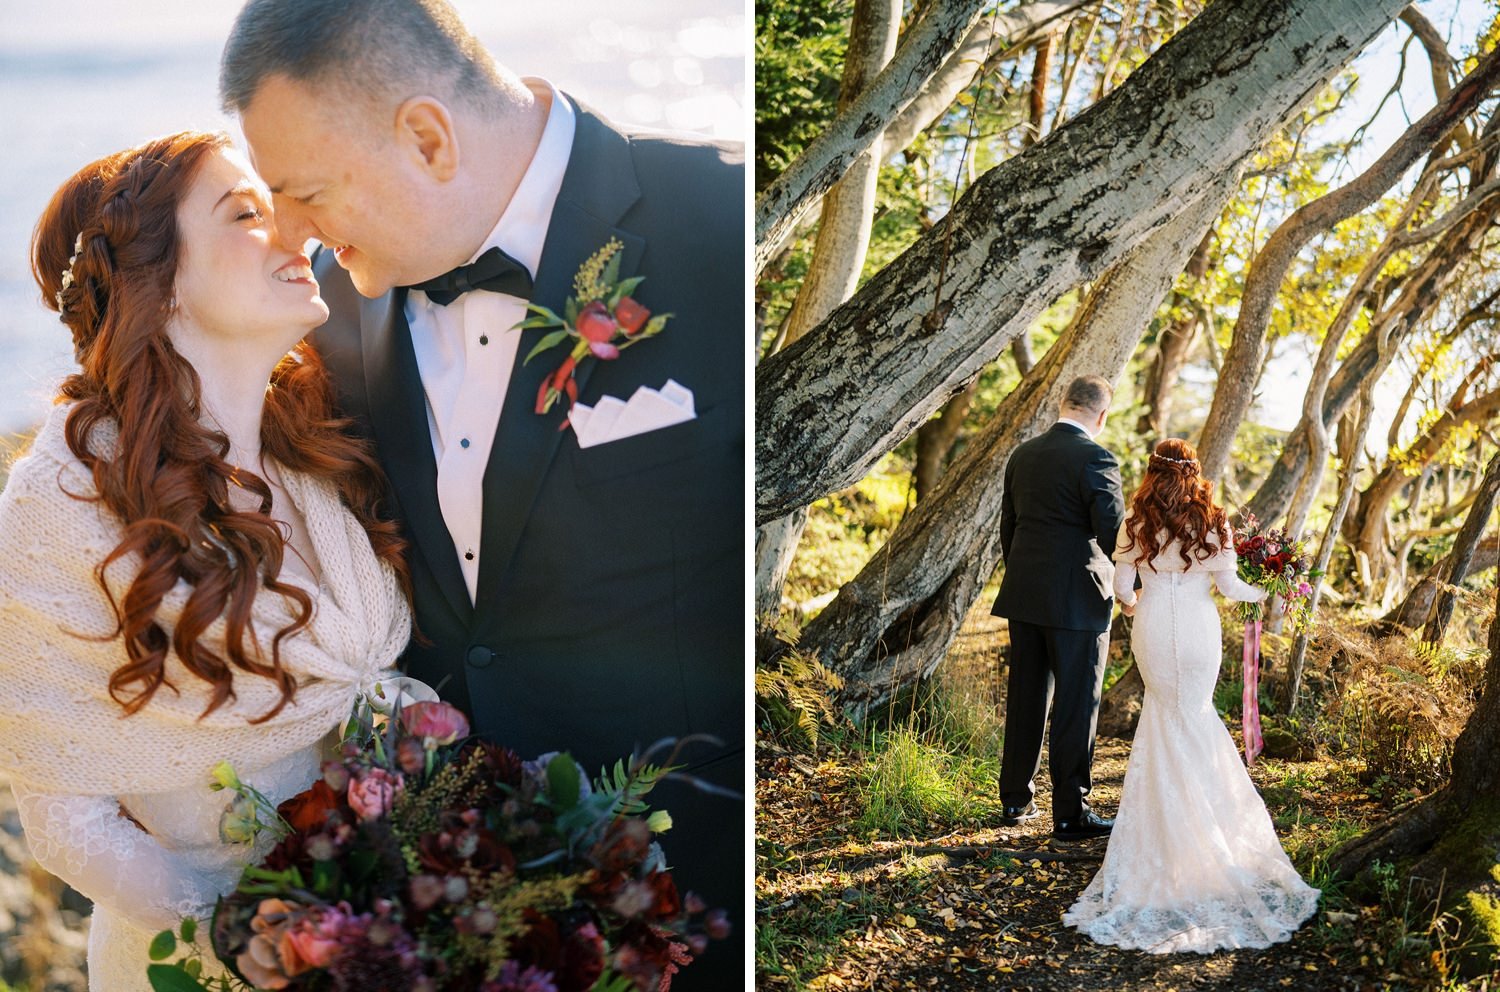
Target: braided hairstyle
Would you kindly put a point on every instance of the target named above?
(1175, 502)
(105, 255)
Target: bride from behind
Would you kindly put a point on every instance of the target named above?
(193, 567)
(1193, 863)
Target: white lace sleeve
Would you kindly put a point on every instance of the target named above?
(1125, 573)
(87, 842)
(1228, 582)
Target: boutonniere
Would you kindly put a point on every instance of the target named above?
(601, 318)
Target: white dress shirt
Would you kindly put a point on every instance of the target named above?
(466, 350)
(1088, 432)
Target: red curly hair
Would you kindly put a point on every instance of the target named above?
(1175, 502)
(168, 480)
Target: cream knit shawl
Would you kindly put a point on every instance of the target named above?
(59, 729)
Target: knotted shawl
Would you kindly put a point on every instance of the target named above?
(59, 729)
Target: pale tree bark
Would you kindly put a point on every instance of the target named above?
(1247, 347)
(1330, 537)
(935, 439)
(1422, 288)
(1034, 227)
(1173, 344)
(1375, 502)
(837, 261)
(857, 130)
(1005, 38)
(1455, 566)
(894, 623)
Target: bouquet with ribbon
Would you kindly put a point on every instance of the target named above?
(1279, 564)
(426, 861)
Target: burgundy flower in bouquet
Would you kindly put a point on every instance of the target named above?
(1279, 564)
(423, 860)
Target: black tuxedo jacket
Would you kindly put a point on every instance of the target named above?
(610, 605)
(1060, 514)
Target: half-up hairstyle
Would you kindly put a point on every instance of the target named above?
(166, 478)
(1175, 502)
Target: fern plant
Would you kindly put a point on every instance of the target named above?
(796, 696)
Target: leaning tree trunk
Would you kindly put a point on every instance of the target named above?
(893, 623)
(1447, 846)
(1375, 502)
(838, 258)
(935, 439)
(1172, 346)
(1455, 567)
(1247, 346)
(1036, 226)
(1005, 37)
(857, 129)
(1423, 290)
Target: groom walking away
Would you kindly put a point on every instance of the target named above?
(580, 593)
(1059, 517)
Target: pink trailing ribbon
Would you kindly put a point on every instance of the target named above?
(1250, 700)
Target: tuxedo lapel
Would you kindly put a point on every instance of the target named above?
(398, 413)
(598, 187)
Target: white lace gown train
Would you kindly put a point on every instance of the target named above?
(1193, 862)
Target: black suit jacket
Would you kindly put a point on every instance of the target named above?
(610, 604)
(1060, 514)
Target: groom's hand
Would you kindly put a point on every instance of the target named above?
(1128, 609)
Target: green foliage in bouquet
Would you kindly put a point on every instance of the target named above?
(423, 860)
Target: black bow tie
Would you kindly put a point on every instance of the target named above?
(494, 271)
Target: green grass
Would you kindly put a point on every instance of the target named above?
(800, 941)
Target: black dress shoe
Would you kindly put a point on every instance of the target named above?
(1016, 815)
(1084, 827)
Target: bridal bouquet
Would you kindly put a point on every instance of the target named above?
(1278, 564)
(424, 861)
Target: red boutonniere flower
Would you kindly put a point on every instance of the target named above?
(601, 318)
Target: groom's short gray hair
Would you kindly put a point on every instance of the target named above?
(368, 45)
(1089, 392)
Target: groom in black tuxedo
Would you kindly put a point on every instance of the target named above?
(1060, 515)
(581, 598)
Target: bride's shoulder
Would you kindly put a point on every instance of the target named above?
(47, 464)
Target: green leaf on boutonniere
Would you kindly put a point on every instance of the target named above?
(531, 322)
(570, 310)
(612, 270)
(623, 290)
(654, 326)
(546, 342)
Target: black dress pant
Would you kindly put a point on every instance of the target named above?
(1060, 670)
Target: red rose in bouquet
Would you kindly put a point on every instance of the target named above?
(425, 861)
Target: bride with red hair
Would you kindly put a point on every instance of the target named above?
(1193, 863)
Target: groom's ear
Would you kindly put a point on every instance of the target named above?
(424, 129)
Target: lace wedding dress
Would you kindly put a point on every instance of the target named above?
(1193, 863)
(143, 882)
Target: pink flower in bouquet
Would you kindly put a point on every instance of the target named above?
(313, 941)
(373, 794)
(438, 724)
(513, 979)
(261, 962)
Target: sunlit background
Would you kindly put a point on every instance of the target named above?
(84, 78)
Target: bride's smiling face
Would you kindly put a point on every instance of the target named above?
(235, 282)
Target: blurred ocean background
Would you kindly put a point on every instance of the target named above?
(85, 78)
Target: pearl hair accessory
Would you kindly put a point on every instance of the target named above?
(1175, 461)
(67, 276)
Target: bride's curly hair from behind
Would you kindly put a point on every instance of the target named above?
(105, 255)
(1175, 502)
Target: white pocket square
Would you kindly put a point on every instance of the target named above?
(648, 410)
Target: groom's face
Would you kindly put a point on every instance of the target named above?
(336, 175)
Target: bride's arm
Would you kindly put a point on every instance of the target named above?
(89, 843)
(1228, 582)
(1125, 574)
